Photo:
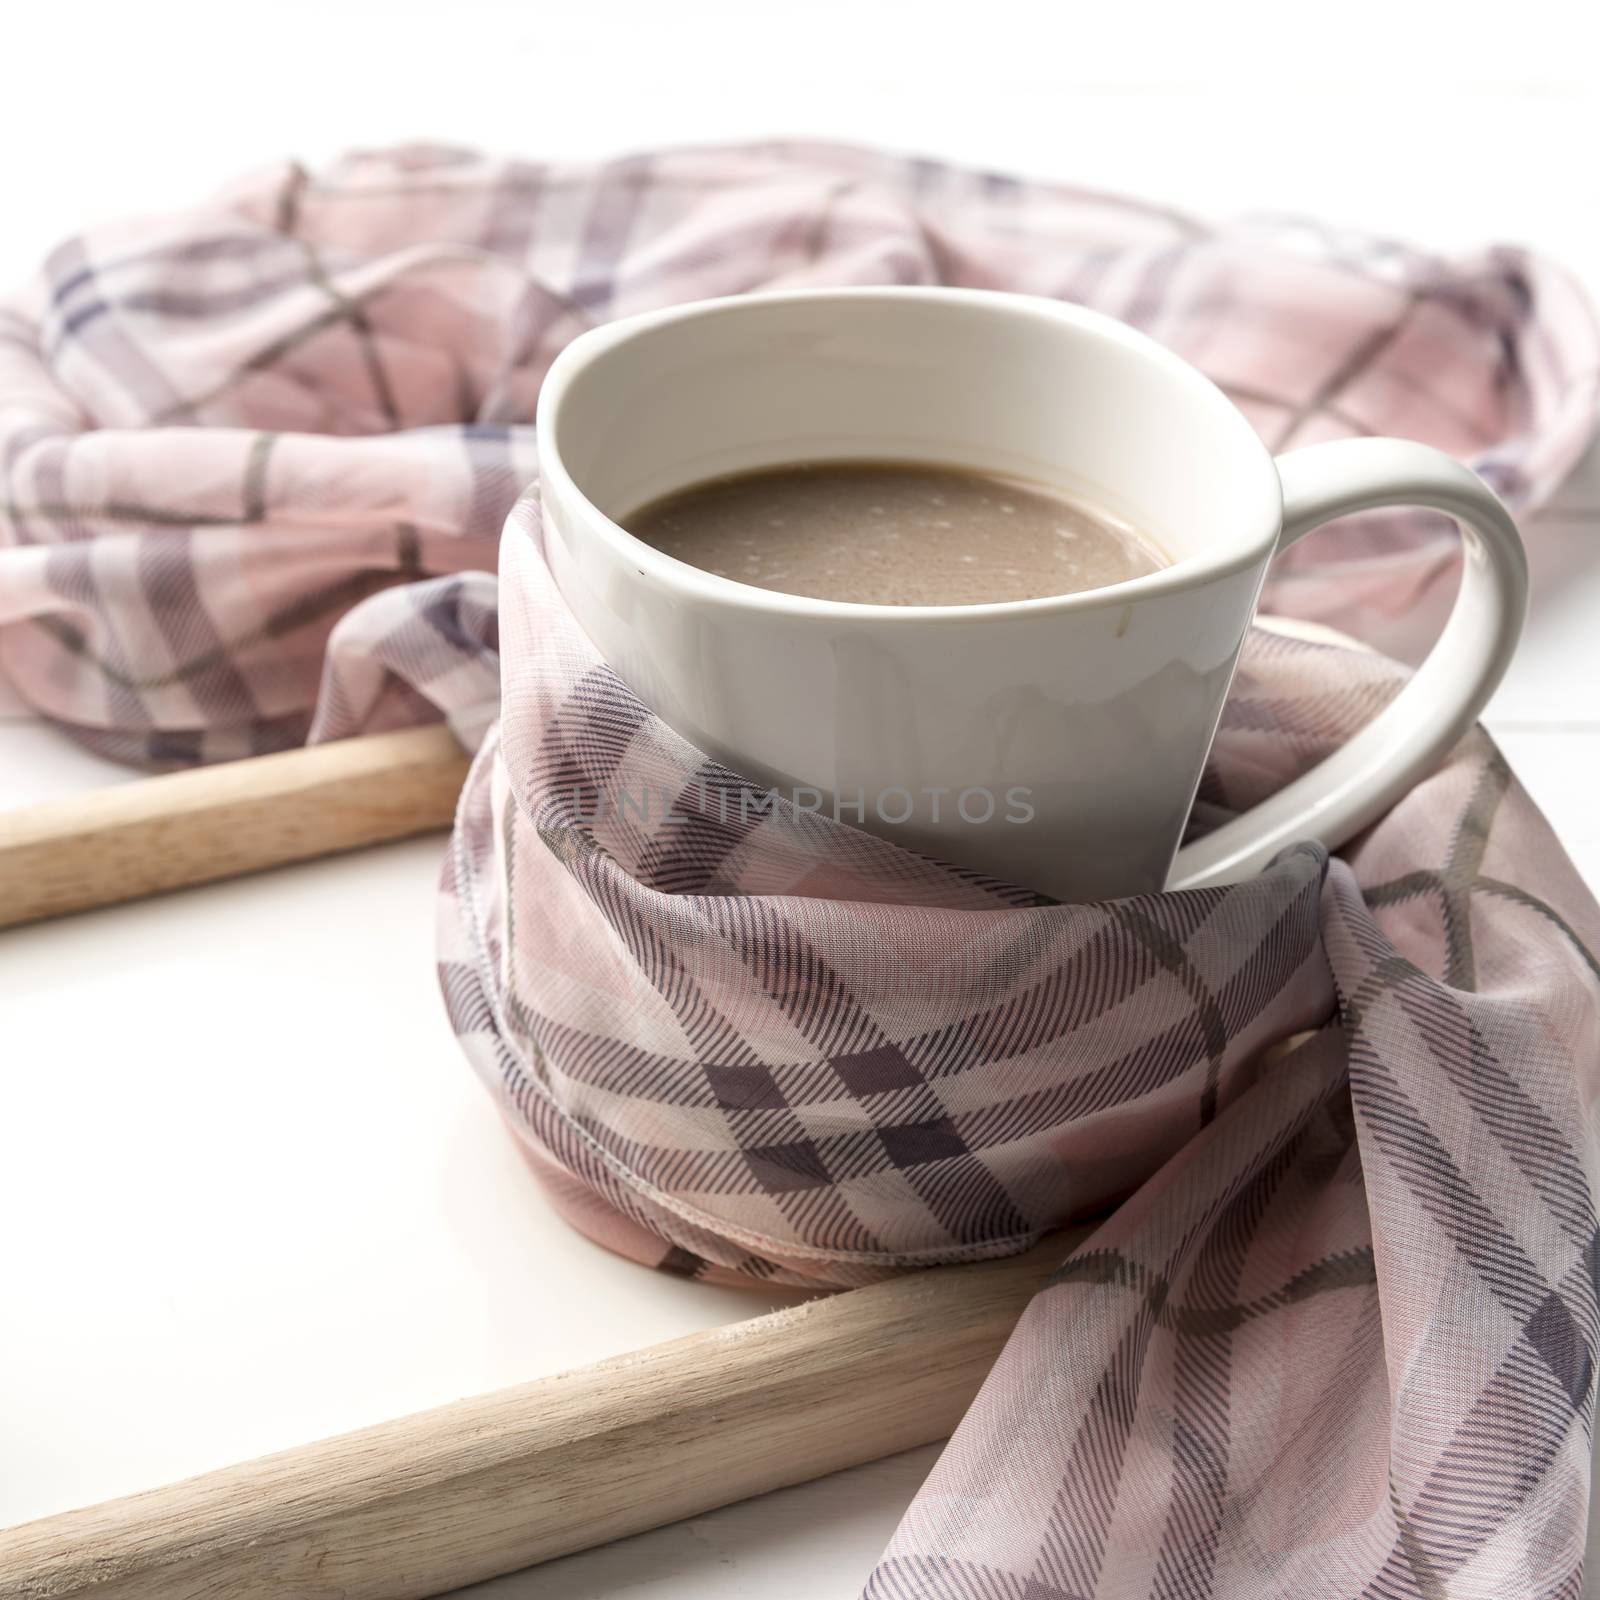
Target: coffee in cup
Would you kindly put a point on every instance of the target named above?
(893, 533)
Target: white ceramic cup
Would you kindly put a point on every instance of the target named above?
(1098, 707)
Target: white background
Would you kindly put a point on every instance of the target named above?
(249, 1194)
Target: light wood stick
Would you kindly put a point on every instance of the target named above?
(137, 839)
(491, 1484)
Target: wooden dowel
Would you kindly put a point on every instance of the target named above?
(491, 1484)
(140, 838)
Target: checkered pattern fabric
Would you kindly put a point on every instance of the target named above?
(1336, 1335)
(227, 436)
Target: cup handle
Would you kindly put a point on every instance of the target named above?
(1358, 783)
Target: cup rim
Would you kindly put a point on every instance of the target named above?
(1186, 572)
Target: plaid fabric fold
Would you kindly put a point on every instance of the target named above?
(223, 431)
(1336, 1335)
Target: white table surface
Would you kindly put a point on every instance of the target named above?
(251, 1193)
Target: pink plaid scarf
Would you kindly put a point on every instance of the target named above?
(1338, 1336)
